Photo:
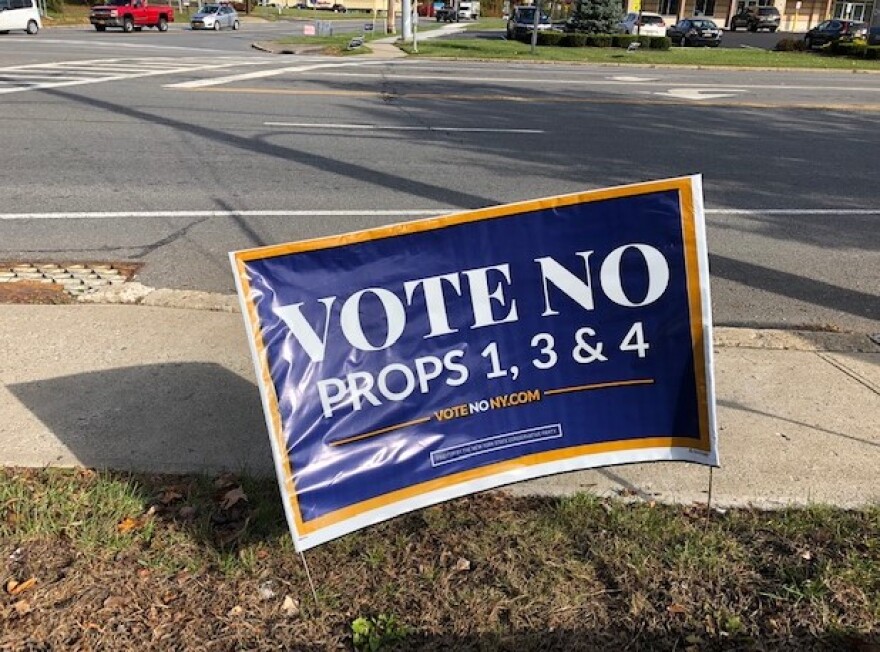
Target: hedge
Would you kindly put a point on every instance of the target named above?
(580, 39)
(550, 38)
(575, 40)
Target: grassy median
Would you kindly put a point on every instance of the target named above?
(745, 57)
(118, 562)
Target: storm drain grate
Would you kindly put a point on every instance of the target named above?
(73, 279)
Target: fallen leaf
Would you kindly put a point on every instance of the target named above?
(236, 611)
(676, 608)
(267, 590)
(187, 512)
(262, 553)
(143, 573)
(22, 607)
(115, 602)
(233, 497)
(14, 588)
(168, 596)
(225, 480)
(170, 495)
(806, 555)
(129, 524)
(290, 606)
(462, 564)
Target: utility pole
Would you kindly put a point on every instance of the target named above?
(406, 20)
(535, 24)
(390, 27)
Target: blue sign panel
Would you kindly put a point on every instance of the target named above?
(406, 365)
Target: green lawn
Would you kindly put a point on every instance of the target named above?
(749, 58)
(117, 562)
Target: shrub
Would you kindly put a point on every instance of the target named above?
(872, 52)
(645, 41)
(622, 40)
(790, 45)
(550, 38)
(598, 40)
(596, 16)
(660, 43)
(576, 40)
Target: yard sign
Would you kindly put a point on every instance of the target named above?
(406, 365)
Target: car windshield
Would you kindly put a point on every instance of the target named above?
(704, 24)
(117, 3)
(768, 11)
(528, 16)
(210, 9)
(651, 20)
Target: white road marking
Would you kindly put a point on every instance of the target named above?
(115, 45)
(592, 82)
(261, 74)
(415, 212)
(699, 93)
(624, 78)
(76, 73)
(226, 213)
(367, 127)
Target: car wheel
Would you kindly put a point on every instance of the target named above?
(236, 25)
(682, 42)
(808, 43)
(773, 29)
(32, 27)
(509, 33)
(100, 28)
(127, 25)
(163, 24)
(216, 25)
(753, 28)
(732, 26)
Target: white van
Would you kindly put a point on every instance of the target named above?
(19, 14)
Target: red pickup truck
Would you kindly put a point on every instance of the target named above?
(131, 15)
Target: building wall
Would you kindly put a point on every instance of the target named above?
(810, 13)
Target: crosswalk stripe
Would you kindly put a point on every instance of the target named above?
(14, 79)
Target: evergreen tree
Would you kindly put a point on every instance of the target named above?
(596, 16)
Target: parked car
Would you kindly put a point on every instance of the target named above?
(648, 25)
(695, 31)
(835, 30)
(522, 21)
(755, 18)
(215, 17)
(19, 14)
(874, 35)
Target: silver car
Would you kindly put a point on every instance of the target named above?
(215, 17)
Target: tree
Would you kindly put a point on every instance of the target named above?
(596, 16)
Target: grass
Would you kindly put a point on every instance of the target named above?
(330, 45)
(125, 562)
(750, 58)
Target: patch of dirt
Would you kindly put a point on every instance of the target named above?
(31, 292)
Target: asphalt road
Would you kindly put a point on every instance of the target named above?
(173, 149)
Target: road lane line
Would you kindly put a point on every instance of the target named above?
(416, 212)
(368, 127)
(595, 82)
(261, 74)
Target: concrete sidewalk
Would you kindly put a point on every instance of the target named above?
(155, 388)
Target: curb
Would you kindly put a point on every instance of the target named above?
(137, 294)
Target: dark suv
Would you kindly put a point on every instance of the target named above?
(755, 18)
